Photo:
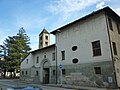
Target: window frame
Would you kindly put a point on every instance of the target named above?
(114, 48)
(27, 61)
(63, 54)
(46, 43)
(53, 56)
(96, 47)
(110, 23)
(37, 59)
(63, 71)
(26, 72)
(118, 27)
(46, 37)
(97, 70)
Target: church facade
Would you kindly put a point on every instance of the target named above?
(86, 53)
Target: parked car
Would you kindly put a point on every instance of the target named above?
(25, 88)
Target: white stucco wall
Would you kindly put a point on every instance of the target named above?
(24, 64)
(48, 52)
(81, 34)
(32, 57)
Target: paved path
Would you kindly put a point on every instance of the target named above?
(16, 83)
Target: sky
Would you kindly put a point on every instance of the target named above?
(35, 15)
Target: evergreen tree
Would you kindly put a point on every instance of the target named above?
(17, 48)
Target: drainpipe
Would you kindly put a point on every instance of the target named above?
(111, 50)
(56, 56)
(56, 62)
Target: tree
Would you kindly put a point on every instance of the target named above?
(17, 47)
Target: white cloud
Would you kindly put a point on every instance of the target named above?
(100, 5)
(66, 7)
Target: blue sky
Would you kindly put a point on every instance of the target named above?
(34, 15)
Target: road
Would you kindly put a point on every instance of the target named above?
(54, 88)
(4, 84)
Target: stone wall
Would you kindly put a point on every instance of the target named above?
(84, 75)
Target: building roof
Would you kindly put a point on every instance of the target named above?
(44, 31)
(53, 45)
(108, 11)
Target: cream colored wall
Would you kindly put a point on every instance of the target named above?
(33, 57)
(48, 52)
(25, 65)
(115, 37)
(82, 34)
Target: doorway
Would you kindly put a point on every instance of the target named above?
(46, 75)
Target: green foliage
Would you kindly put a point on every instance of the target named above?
(16, 48)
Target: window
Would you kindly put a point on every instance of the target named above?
(44, 56)
(37, 73)
(97, 70)
(96, 48)
(74, 48)
(114, 48)
(63, 72)
(27, 61)
(63, 55)
(22, 72)
(53, 72)
(53, 56)
(46, 43)
(26, 72)
(75, 60)
(46, 37)
(37, 59)
(110, 23)
(117, 70)
(41, 38)
(118, 27)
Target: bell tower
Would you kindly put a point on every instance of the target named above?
(44, 39)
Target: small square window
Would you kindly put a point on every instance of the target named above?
(63, 71)
(46, 43)
(97, 70)
(53, 72)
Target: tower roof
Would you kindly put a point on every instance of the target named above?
(44, 31)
